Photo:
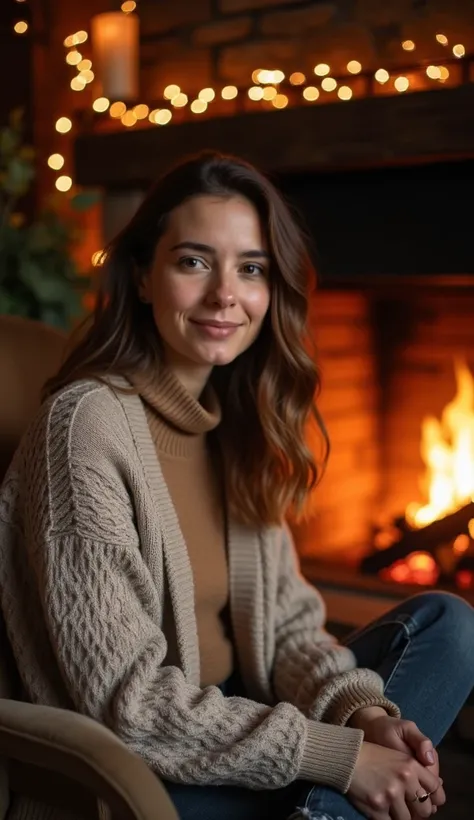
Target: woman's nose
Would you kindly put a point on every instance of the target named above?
(222, 294)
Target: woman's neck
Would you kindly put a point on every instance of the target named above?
(193, 377)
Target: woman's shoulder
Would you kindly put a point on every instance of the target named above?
(82, 418)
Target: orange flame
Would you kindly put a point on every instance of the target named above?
(447, 449)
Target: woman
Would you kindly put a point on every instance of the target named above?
(161, 588)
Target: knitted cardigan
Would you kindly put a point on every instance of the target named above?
(90, 543)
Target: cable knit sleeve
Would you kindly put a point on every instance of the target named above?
(93, 622)
(311, 669)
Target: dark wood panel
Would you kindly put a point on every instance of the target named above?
(423, 126)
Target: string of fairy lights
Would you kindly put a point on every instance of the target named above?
(270, 88)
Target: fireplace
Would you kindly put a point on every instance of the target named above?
(395, 332)
(393, 310)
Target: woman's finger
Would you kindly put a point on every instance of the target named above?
(438, 798)
(399, 809)
(429, 781)
(418, 804)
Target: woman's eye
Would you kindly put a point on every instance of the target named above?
(191, 262)
(252, 270)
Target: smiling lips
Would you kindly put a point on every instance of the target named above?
(215, 329)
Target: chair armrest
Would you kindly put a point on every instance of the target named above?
(84, 751)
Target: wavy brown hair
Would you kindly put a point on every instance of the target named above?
(268, 393)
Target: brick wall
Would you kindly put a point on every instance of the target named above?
(199, 43)
(338, 521)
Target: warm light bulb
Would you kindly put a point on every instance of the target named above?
(128, 6)
(163, 116)
(78, 83)
(74, 57)
(443, 73)
(97, 258)
(229, 92)
(153, 115)
(408, 45)
(206, 95)
(101, 104)
(382, 76)
(255, 93)
(311, 93)
(180, 100)
(87, 75)
(459, 50)
(297, 78)
(344, 92)
(256, 75)
(441, 38)
(277, 77)
(433, 72)
(321, 69)
(171, 91)
(80, 37)
(129, 119)
(198, 106)
(402, 83)
(263, 76)
(84, 65)
(63, 125)
(21, 27)
(69, 41)
(63, 183)
(269, 92)
(329, 84)
(280, 101)
(354, 67)
(117, 110)
(56, 161)
(141, 111)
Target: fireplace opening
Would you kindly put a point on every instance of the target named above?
(393, 322)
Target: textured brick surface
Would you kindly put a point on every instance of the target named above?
(236, 63)
(382, 12)
(222, 31)
(337, 44)
(297, 21)
(243, 5)
(189, 68)
(158, 16)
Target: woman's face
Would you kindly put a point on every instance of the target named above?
(209, 283)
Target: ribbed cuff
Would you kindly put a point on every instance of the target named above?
(330, 754)
(359, 696)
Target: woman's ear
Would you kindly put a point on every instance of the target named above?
(143, 281)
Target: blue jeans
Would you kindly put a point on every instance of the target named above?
(424, 651)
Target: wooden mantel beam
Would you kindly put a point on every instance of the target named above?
(418, 127)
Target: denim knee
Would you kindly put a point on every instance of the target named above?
(454, 615)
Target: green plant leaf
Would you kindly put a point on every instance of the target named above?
(18, 176)
(40, 238)
(9, 141)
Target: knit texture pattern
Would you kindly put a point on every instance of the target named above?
(90, 540)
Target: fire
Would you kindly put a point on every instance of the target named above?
(447, 449)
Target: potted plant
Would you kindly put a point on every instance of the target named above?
(38, 276)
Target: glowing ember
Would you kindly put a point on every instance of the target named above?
(447, 449)
(418, 568)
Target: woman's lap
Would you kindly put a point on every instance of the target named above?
(424, 651)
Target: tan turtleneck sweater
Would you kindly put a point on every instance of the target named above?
(179, 425)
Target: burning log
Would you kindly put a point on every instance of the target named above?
(426, 539)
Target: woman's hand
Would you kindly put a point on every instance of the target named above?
(386, 782)
(403, 736)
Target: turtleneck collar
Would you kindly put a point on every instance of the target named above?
(177, 420)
